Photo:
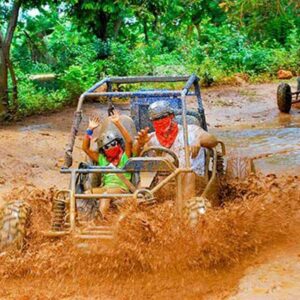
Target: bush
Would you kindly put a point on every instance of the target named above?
(35, 100)
(76, 79)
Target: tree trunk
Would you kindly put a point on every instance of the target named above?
(145, 27)
(155, 23)
(198, 31)
(102, 30)
(15, 105)
(189, 31)
(3, 81)
(5, 63)
(117, 27)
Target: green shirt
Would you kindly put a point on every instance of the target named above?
(110, 179)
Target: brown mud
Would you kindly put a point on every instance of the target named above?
(155, 256)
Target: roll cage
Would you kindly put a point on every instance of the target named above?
(190, 81)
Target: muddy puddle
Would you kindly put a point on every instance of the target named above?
(275, 144)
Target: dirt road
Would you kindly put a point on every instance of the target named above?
(246, 118)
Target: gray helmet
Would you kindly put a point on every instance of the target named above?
(108, 131)
(159, 109)
(107, 137)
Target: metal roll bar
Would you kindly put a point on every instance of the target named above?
(190, 80)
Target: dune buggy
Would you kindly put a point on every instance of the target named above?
(285, 96)
(143, 188)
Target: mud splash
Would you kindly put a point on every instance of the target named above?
(155, 254)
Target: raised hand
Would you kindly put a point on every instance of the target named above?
(115, 116)
(143, 137)
(94, 122)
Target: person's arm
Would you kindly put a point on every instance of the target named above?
(115, 118)
(94, 122)
(207, 140)
(141, 140)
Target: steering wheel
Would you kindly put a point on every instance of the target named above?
(158, 151)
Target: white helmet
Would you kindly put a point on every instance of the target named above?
(159, 109)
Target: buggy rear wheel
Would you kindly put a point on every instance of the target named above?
(14, 220)
(284, 97)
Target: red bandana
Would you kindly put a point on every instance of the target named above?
(114, 154)
(166, 131)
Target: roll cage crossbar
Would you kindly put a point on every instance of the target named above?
(192, 80)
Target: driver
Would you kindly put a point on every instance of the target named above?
(169, 134)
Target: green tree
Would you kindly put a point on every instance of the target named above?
(263, 19)
(103, 18)
(9, 19)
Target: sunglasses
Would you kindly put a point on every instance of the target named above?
(112, 144)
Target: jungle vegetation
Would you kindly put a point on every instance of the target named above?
(81, 41)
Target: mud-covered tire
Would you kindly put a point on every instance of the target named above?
(284, 97)
(14, 221)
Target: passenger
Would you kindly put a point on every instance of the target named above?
(169, 134)
(112, 152)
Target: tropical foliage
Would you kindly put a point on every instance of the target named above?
(81, 41)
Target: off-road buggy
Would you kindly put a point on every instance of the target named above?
(71, 203)
(285, 96)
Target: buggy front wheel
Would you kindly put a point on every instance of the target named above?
(14, 220)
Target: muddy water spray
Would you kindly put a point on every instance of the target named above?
(256, 211)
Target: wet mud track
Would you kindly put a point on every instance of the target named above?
(257, 268)
(276, 146)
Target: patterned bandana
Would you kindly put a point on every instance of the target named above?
(114, 154)
(166, 130)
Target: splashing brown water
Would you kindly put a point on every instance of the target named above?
(155, 255)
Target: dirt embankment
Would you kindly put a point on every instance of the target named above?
(153, 257)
